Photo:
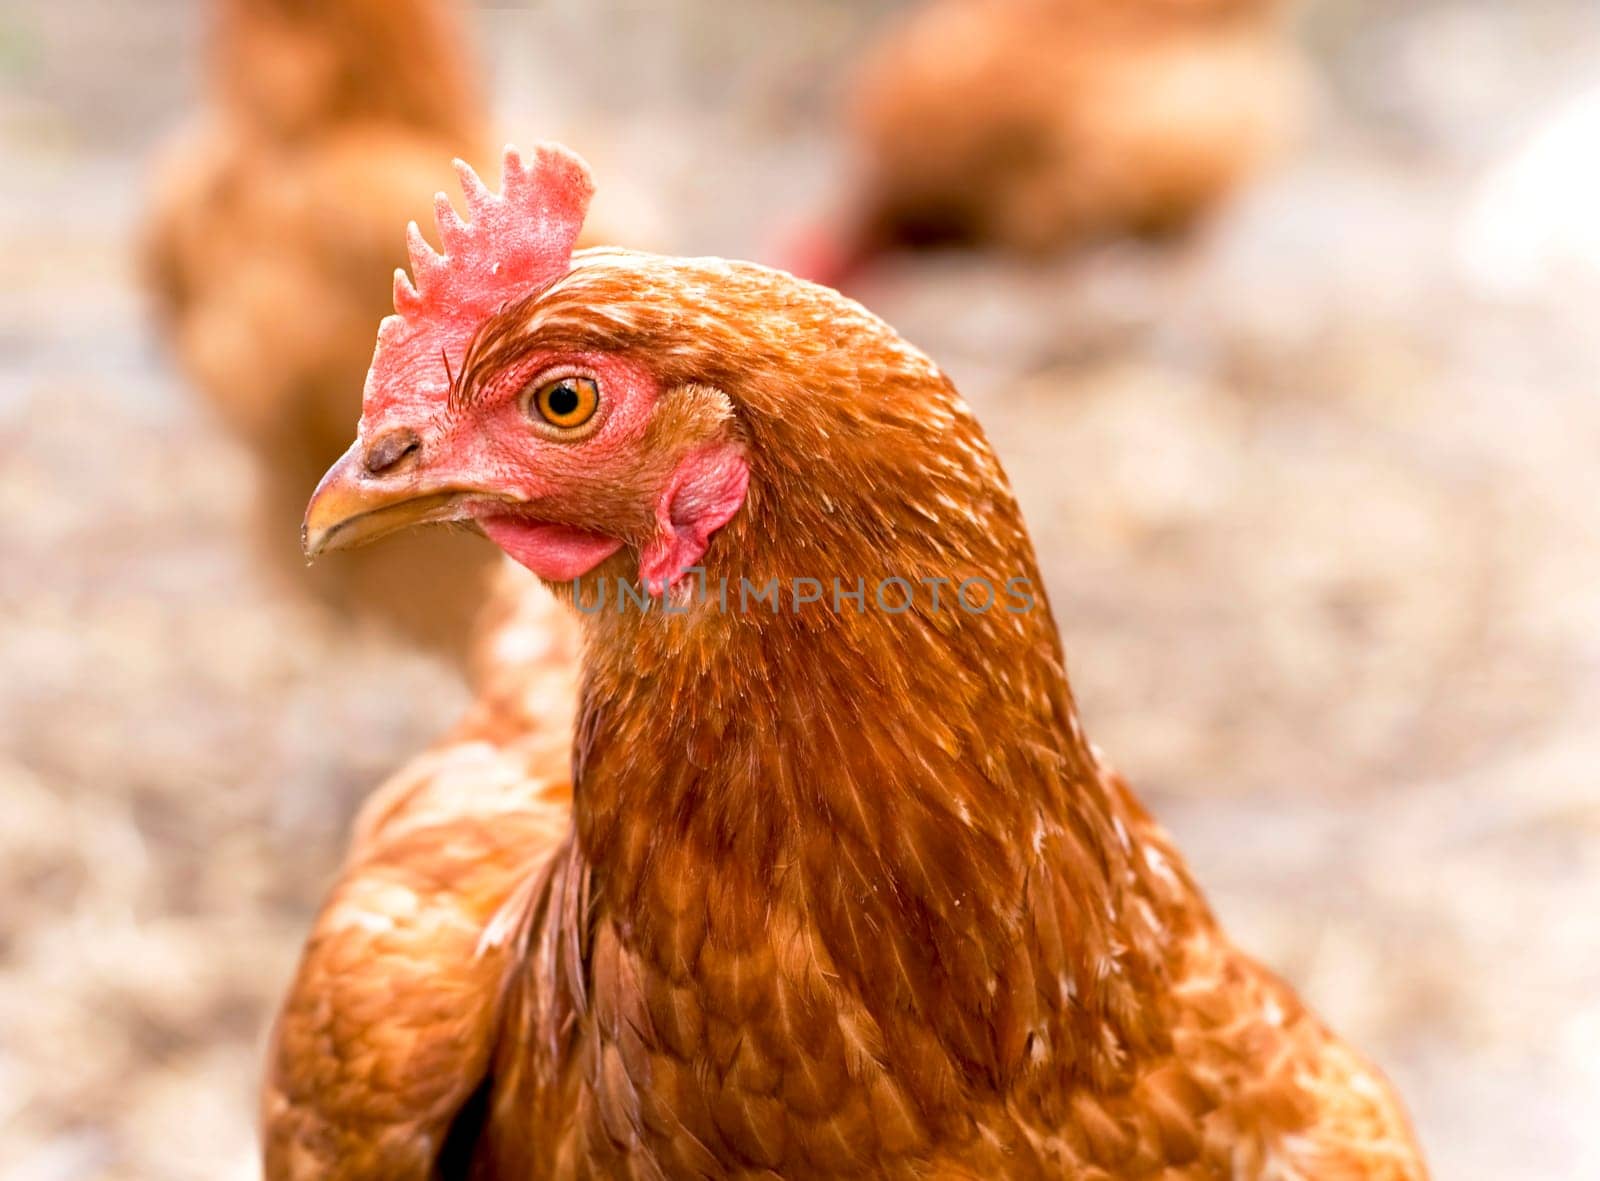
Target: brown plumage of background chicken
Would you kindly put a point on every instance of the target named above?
(837, 889)
(272, 245)
(1033, 125)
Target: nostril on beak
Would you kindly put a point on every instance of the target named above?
(389, 451)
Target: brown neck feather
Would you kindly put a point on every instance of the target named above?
(915, 783)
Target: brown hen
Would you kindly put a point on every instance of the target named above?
(1034, 125)
(271, 246)
(842, 889)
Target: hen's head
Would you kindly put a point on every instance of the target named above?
(610, 406)
(290, 67)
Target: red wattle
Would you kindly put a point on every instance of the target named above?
(556, 553)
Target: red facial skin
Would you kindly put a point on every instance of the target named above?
(704, 492)
(559, 501)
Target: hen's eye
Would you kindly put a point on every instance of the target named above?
(566, 402)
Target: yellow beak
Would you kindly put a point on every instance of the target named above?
(351, 507)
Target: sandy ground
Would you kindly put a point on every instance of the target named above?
(1317, 512)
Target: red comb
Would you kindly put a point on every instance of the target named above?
(518, 237)
(513, 241)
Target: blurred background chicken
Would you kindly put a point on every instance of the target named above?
(271, 248)
(1033, 125)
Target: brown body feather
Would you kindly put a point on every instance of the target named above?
(844, 892)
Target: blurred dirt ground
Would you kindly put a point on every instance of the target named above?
(1319, 516)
